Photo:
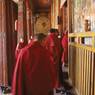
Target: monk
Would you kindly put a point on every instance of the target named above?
(53, 45)
(34, 73)
(65, 48)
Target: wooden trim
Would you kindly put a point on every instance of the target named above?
(82, 34)
(83, 47)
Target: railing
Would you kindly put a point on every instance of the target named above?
(82, 62)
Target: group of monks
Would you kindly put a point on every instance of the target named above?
(36, 70)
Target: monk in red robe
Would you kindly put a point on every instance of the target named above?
(53, 45)
(34, 73)
(19, 46)
(64, 61)
(65, 48)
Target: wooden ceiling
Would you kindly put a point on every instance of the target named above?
(41, 5)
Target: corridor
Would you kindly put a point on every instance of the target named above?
(21, 22)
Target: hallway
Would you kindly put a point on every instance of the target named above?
(22, 19)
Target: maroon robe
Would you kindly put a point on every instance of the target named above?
(34, 73)
(54, 47)
(65, 49)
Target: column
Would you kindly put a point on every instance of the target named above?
(65, 17)
(69, 13)
(56, 10)
(3, 52)
(11, 16)
(22, 26)
(29, 26)
(54, 13)
(29, 16)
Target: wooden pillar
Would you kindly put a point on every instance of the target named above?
(3, 54)
(11, 16)
(29, 16)
(65, 17)
(54, 13)
(69, 13)
(59, 14)
(22, 27)
(29, 26)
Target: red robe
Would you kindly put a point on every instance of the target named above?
(19, 46)
(54, 47)
(65, 49)
(34, 73)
